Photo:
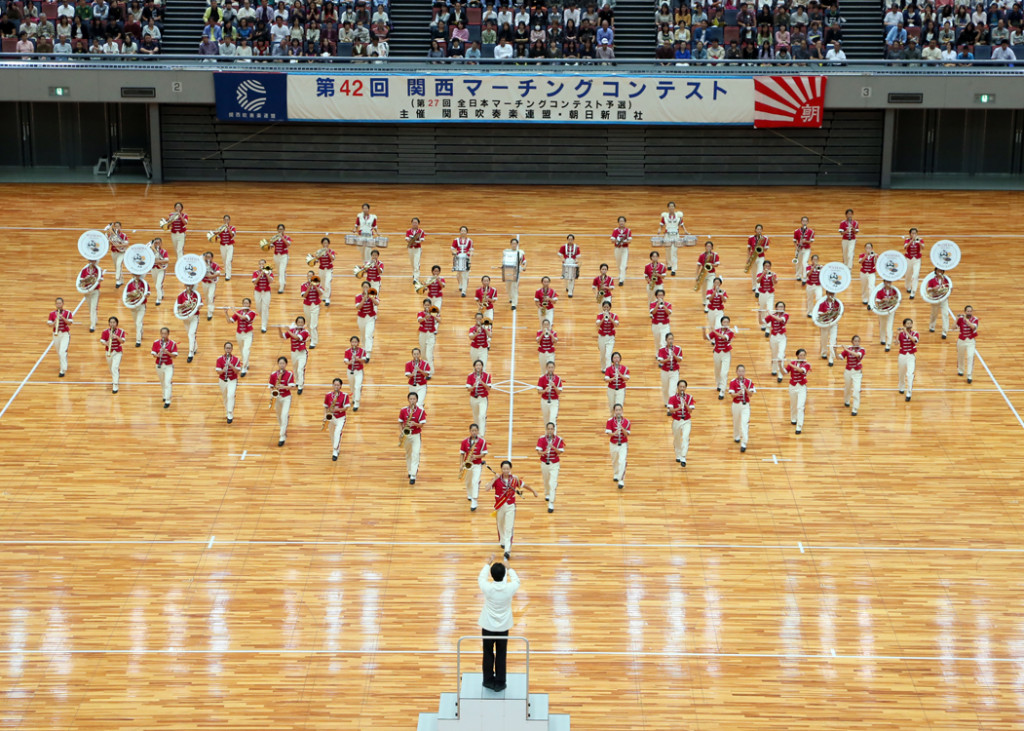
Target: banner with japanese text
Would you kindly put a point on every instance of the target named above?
(500, 97)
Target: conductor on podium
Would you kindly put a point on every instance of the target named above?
(498, 583)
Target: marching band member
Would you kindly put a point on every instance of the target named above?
(680, 409)
(226, 236)
(828, 334)
(867, 273)
(671, 220)
(471, 456)
(617, 429)
(190, 299)
(59, 322)
(616, 376)
(621, 238)
(336, 404)
(853, 354)
(179, 227)
(479, 340)
(463, 245)
(607, 321)
(714, 303)
(281, 243)
(428, 322)
(113, 339)
(545, 298)
(708, 256)
(281, 396)
(93, 297)
(298, 340)
(670, 358)
(777, 338)
(118, 246)
(414, 238)
(165, 351)
(356, 360)
(603, 285)
(418, 373)
(803, 237)
(366, 226)
(513, 283)
(435, 287)
(570, 252)
(758, 239)
(966, 342)
(766, 281)
(485, 296)
(325, 262)
(138, 285)
(550, 387)
(312, 295)
(374, 270)
(886, 293)
(848, 229)
(413, 418)
(506, 486)
(721, 345)
(163, 258)
(261, 279)
(912, 246)
(478, 384)
(213, 272)
(741, 388)
(936, 282)
(812, 278)
(546, 339)
(550, 448)
(367, 304)
(654, 273)
(243, 319)
(228, 367)
(908, 357)
(798, 370)
(660, 313)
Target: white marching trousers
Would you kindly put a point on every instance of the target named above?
(312, 314)
(722, 363)
(478, 404)
(140, 317)
(506, 526)
(262, 302)
(166, 375)
(299, 360)
(284, 405)
(755, 269)
(622, 259)
(814, 293)
(549, 412)
(463, 278)
(227, 393)
(606, 346)
(427, 343)
(63, 339)
(281, 262)
(421, 394)
(777, 344)
(94, 300)
(828, 341)
(476, 354)
(158, 284)
(673, 256)
(570, 284)
(356, 379)
(669, 379)
(941, 310)
(802, 258)
(851, 389)
(907, 364)
(337, 427)
(192, 326)
(913, 272)
(659, 330)
(740, 422)
(545, 314)
(114, 361)
(513, 291)
(326, 278)
(544, 359)
(616, 396)
(715, 319)
(867, 283)
(797, 402)
(965, 357)
(412, 455)
(618, 453)
(414, 260)
(765, 306)
(227, 253)
(681, 437)
(549, 473)
(179, 244)
(849, 249)
(211, 293)
(366, 328)
(472, 478)
(118, 259)
(245, 346)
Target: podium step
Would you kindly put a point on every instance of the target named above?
(559, 722)
(473, 687)
(427, 722)
(448, 707)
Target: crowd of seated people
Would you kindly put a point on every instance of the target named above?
(103, 27)
(950, 34)
(310, 28)
(556, 29)
(754, 32)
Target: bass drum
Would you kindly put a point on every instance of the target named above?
(891, 265)
(93, 245)
(889, 305)
(827, 319)
(931, 298)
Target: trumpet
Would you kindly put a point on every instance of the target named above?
(268, 269)
(484, 304)
(372, 292)
(486, 322)
(434, 311)
(211, 235)
(165, 223)
(315, 281)
(702, 275)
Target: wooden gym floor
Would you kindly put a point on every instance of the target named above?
(161, 569)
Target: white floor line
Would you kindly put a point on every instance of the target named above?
(1001, 390)
(800, 546)
(25, 380)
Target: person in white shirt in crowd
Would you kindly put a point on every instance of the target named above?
(499, 584)
(1004, 52)
(66, 10)
(932, 52)
(227, 47)
(836, 53)
(247, 12)
(279, 33)
(110, 48)
(244, 51)
(129, 46)
(522, 16)
(380, 16)
(503, 49)
(572, 13)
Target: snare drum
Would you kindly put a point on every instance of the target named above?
(510, 265)
(657, 241)
(688, 240)
(570, 269)
(460, 263)
(380, 242)
(353, 240)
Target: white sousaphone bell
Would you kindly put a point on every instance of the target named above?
(138, 260)
(945, 255)
(189, 269)
(835, 277)
(93, 246)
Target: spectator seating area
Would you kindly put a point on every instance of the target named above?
(66, 27)
(716, 30)
(947, 32)
(537, 30)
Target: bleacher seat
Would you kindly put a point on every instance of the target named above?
(716, 32)
(473, 16)
(731, 14)
(487, 50)
(914, 32)
(732, 33)
(474, 33)
(134, 28)
(982, 53)
(344, 50)
(50, 10)
(10, 45)
(1018, 51)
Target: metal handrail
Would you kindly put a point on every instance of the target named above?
(458, 670)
